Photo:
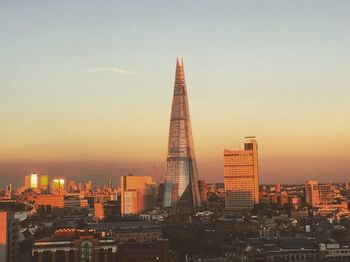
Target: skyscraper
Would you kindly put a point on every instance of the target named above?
(44, 182)
(241, 177)
(31, 181)
(181, 192)
(58, 185)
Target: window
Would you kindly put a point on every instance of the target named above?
(86, 251)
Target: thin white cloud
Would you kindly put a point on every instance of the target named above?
(113, 70)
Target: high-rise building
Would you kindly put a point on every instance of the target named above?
(181, 191)
(58, 185)
(71, 186)
(9, 191)
(34, 181)
(99, 211)
(312, 192)
(326, 194)
(27, 181)
(44, 182)
(109, 184)
(31, 181)
(137, 194)
(88, 186)
(241, 177)
(9, 237)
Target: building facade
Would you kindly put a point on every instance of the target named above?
(137, 194)
(181, 191)
(9, 237)
(241, 177)
(74, 245)
(312, 192)
(44, 182)
(58, 185)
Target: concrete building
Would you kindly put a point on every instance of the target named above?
(130, 231)
(137, 194)
(50, 200)
(27, 181)
(75, 245)
(99, 211)
(241, 177)
(326, 194)
(9, 237)
(312, 192)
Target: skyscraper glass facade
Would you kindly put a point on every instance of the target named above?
(181, 190)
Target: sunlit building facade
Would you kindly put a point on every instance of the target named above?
(241, 177)
(312, 192)
(58, 185)
(31, 181)
(44, 182)
(9, 237)
(137, 194)
(34, 181)
(181, 191)
(27, 181)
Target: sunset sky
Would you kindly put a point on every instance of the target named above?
(86, 86)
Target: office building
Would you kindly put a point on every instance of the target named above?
(241, 177)
(27, 181)
(181, 191)
(137, 194)
(326, 194)
(44, 182)
(58, 186)
(99, 211)
(312, 192)
(31, 181)
(9, 237)
(54, 201)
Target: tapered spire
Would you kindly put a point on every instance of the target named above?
(181, 184)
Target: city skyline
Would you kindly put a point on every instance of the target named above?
(79, 90)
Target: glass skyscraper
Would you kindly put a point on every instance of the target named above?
(181, 192)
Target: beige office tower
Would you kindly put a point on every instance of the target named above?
(241, 177)
(312, 192)
(138, 194)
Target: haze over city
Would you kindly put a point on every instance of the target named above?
(86, 92)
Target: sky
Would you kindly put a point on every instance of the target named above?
(86, 86)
